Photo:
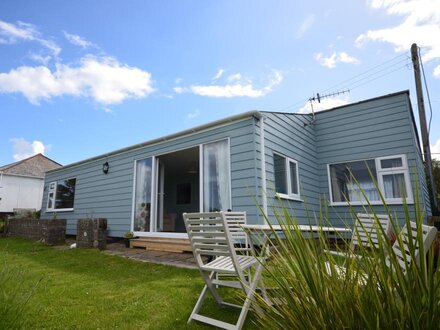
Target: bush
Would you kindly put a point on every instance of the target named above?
(370, 294)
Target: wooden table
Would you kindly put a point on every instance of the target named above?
(269, 230)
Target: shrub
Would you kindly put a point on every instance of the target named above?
(373, 293)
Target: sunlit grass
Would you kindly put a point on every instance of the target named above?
(86, 289)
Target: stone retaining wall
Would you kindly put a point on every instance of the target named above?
(91, 233)
(49, 231)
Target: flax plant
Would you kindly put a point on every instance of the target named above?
(307, 290)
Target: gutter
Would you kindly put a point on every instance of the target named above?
(263, 166)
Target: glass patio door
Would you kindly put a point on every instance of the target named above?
(216, 176)
(143, 195)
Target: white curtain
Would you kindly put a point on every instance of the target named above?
(143, 195)
(394, 185)
(356, 191)
(216, 176)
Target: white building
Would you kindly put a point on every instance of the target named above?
(22, 183)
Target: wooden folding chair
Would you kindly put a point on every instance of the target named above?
(402, 250)
(405, 248)
(366, 233)
(210, 235)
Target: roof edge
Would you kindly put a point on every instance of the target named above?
(406, 91)
(230, 119)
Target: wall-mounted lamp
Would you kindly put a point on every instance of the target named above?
(105, 167)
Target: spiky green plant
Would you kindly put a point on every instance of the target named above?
(14, 295)
(372, 292)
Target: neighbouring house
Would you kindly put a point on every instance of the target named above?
(249, 159)
(22, 184)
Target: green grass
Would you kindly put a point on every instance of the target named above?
(86, 289)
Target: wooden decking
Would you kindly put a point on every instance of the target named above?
(162, 244)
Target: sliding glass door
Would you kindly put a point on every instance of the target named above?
(189, 180)
(216, 176)
(142, 195)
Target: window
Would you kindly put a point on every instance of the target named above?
(353, 181)
(216, 176)
(286, 176)
(61, 195)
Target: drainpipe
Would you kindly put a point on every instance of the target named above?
(263, 166)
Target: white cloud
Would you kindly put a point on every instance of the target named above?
(40, 58)
(325, 104)
(435, 150)
(12, 33)
(76, 40)
(331, 61)
(24, 149)
(238, 88)
(305, 26)
(420, 24)
(218, 74)
(235, 77)
(193, 114)
(103, 79)
(437, 71)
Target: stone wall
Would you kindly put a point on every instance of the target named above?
(91, 233)
(49, 231)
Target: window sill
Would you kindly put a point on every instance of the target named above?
(290, 198)
(59, 210)
(388, 202)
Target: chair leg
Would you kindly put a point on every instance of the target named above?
(250, 291)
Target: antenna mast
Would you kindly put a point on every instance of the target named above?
(320, 97)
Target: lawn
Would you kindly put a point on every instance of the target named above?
(86, 289)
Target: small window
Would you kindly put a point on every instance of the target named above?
(394, 178)
(286, 176)
(61, 195)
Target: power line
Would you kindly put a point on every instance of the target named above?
(427, 93)
(358, 80)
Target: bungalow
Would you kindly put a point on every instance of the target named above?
(249, 159)
(22, 182)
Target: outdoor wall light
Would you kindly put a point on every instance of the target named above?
(105, 167)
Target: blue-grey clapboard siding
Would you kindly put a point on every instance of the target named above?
(370, 129)
(287, 135)
(374, 128)
(110, 196)
(423, 186)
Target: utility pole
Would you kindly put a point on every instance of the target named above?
(423, 125)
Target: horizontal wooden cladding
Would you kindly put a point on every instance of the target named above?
(352, 112)
(110, 195)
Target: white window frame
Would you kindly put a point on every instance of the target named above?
(380, 172)
(290, 194)
(53, 189)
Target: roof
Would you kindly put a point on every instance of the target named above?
(253, 113)
(35, 166)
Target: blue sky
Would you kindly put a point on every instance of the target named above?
(81, 78)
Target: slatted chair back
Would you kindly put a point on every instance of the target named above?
(409, 248)
(209, 235)
(366, 230)
(235, 222)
